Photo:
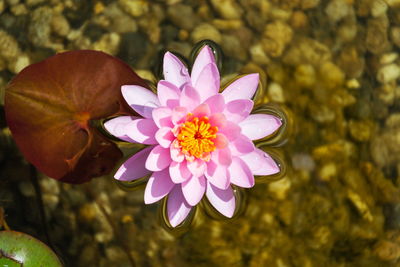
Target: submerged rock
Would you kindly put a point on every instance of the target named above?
(275, 38)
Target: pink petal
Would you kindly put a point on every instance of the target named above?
(142, 131)
(175, 71)
(205, 57)
(260, 163)
(242, 88)
(158, 186)
(193, 189)
(162, 117)
(218, 175)
(222, 156)
(201, 111)
(177, 207)
(240, 173)
(241, 145)
(141, 99)
(257, 126)
(222, 200)
(221, 141)
(190, 98)
(116, 127)
(197, 167)
(176, 154)
(178, 115)
(164, 137)
(216, 103)
(134, 167)
(158, 159)
(230, 130)
(208, 82)
(168, 94)
(179, 172)
(218, 120)
(238, 110)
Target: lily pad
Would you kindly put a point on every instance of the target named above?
(18, 249)
(50, 107)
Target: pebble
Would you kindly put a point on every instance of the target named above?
(347, 31)
(60, 25)
(26, 189)
(280, 14)
(387, 250)
(361, 130)
(306, 51)
(378, 8)
(182, 48)
(331, 75)
(360, 205)
(387, 93)
(117, 255)
(327, 171)
(135, 8)
(232, 47)
(205, 31)
(9, 48)
(12, 2)
(19, 10)
(308, 4)
(388, 73)
(33, 2)
(280, 188)
(393, 3)
(305, 75)
(353, 84)
(3, 66)
(337, 10)
(395, 35)
(50, 201)
(225, 24)
(258, 54)
(40, 26)
(388, 58)
(179, 14)
(299, 20)
(322, 114)
(377, 37)
(108, 43)
(275, 38)
(351, 62)
(227, 9)
(275, 93)
(19, 64)
(302, 161)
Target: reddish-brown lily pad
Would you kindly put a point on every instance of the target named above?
(49, 106)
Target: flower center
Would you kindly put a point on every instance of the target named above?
(196, 137)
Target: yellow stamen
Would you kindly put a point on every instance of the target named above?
(196, 137)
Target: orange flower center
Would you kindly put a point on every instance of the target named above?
(196, 137)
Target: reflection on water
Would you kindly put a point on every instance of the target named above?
(329, 69)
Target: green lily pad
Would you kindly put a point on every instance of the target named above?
(18, 249)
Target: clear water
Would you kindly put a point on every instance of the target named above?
(334, 82)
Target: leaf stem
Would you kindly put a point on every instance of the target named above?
(3, 223)
(40, 204)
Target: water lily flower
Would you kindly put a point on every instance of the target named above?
(200, 140)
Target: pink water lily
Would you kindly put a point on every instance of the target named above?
(200, 140)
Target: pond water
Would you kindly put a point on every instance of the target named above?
(330, 68)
